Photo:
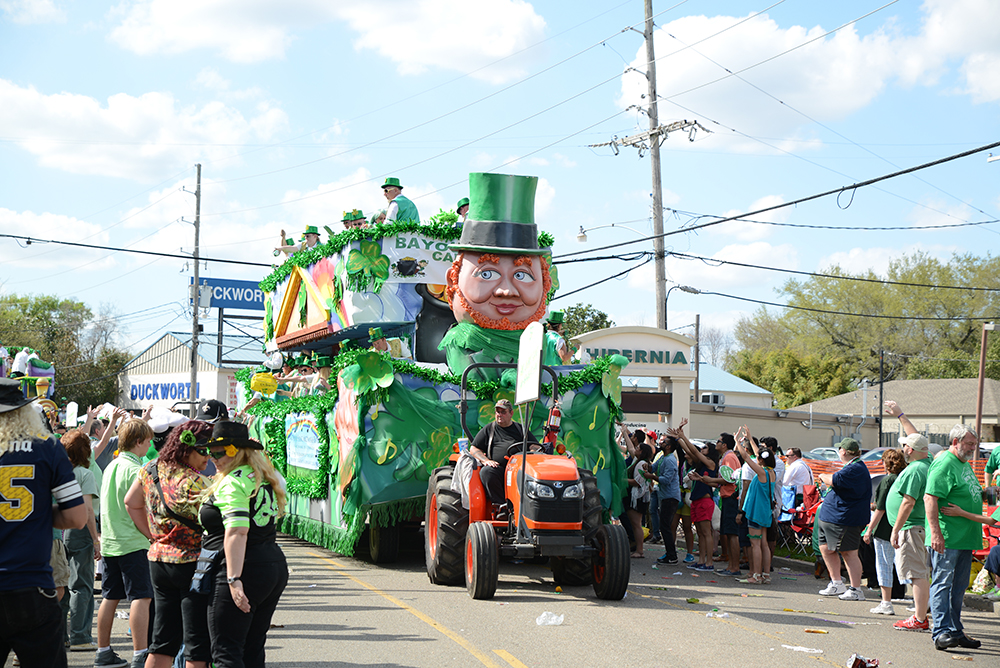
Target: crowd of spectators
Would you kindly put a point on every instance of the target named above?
(179, 518)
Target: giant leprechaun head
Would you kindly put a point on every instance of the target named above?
(500, 278)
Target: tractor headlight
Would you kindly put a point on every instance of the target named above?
(538, 490)
(573, 492)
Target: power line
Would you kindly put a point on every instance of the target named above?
(880, 316)
(811, 274)
(133, 250)
(604, 280)
(836, 191)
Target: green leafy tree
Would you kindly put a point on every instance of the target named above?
(583, 318)
(836, 318)
(84, 348)
(792, 378)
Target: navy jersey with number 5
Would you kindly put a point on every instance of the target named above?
(32, 474)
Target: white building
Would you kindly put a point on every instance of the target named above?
(161, 374)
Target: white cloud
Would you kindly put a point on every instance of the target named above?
(27, 12)
(325, 204)
(747, 231)
(859, 260)
(210, 79)
(129, 137)
(828, 79)
(448, 34)
(445, 34)
(20, 262)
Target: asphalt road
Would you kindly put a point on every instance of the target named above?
(342, 611)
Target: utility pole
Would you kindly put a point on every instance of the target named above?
(697, 354)
(195, 300)
(654, 124)
(651, 140)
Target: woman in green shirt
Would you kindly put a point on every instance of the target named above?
(239, 516)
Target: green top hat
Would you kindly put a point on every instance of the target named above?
(504, 218)
(374, 334)
(391, 182)
(353, 214)
(556, 318)
(323, 361)
(462, 202)
(311, 229)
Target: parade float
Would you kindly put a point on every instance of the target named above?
(401, 310)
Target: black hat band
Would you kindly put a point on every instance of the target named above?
(499, 234)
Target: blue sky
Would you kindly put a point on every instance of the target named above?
(298, 110)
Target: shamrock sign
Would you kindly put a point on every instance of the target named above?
(611, 384)
(370, 372)
(367, 267)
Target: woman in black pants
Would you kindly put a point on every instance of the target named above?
(239, 516)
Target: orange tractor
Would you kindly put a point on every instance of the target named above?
(552, 511)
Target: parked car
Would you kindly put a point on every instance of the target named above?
(825, 454)
(875, 455)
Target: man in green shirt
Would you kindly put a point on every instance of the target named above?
(124, 548)
(953, 501)
(992, 464)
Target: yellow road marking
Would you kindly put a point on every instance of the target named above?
(783, 641)
(509, 658)
(485, 659)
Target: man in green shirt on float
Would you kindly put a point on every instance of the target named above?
(905, 510)
(953, 501)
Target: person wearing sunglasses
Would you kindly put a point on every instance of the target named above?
(163, 502)
(240, 514)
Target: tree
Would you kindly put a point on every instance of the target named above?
(85, 350)
(583, 318)
(792, 378)
(714, 344)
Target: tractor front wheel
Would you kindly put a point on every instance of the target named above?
(481, 561)
(444, 530)
(612, 564)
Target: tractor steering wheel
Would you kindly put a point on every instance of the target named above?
(515, 448)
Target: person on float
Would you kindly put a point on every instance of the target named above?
(400, 207)
(320, 383)
(499, 281)
(240, 514)
(462, 209)
(310, 239)
(354, 218)
(555, 351)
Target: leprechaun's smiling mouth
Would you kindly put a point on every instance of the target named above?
(506, 309)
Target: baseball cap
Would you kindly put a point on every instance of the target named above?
(849, 444)
(918, 442)
(212, 410)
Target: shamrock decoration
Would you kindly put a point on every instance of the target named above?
(370, 372)
(367, 265)
(611, 384)
(436, 454)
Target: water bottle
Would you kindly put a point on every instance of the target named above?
(463, 446)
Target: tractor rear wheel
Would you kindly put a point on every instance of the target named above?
(612, 564)
(445, 526)
(481, 561)
(577, 572)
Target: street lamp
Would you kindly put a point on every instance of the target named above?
(582, 234)
(666, 300)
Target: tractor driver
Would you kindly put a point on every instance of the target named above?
(495, 438)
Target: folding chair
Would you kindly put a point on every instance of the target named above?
(786, 535)
(805, 516)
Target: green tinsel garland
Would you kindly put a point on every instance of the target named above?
(243, 376)
(325, 535)
(394, 512)
(438, 227)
